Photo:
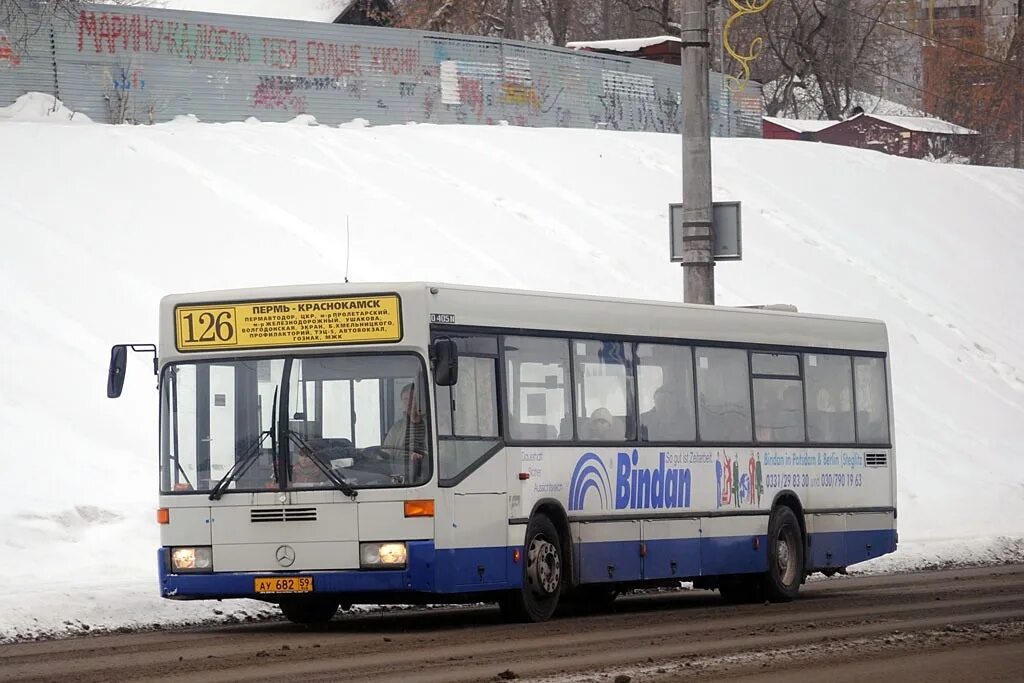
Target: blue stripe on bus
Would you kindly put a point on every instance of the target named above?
(468, 570)
(842, 548)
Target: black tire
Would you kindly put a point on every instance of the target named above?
(309, 611)
(785, 556)
(543, 574)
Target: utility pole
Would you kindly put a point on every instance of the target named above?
(698, 238)
(1018, 87)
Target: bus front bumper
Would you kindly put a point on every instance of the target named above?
(417, 576)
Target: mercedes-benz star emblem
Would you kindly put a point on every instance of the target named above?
(285, 555)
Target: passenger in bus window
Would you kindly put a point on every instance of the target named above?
(663, 421)
(408, 436)
(305, 471)
(603, 426)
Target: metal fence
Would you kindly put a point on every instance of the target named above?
(146, 65)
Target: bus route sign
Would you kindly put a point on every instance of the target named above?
(289, 322)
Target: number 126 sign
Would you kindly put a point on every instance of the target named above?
(247, 325)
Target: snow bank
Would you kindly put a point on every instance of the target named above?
(41, 108)
(100, 221)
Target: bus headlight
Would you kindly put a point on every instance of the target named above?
(382, 555)
(196, 559)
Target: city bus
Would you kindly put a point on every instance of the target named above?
(330, 445)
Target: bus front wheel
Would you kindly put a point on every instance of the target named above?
(785, 556)
(309, 611)
(542, 575)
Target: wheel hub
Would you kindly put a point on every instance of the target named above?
(785, 548)
(544, 567)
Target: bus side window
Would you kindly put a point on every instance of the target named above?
(665, 392)
(778, 398)
(872, 406)
(537, 386)
(603, 371)
(828, 383)
(723, 395)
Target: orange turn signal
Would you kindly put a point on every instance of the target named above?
(163, 516)
(419, 508)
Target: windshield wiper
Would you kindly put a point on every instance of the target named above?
(240, 467)
(338, 482)
(251, 455)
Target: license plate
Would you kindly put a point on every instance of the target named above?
(285, 584)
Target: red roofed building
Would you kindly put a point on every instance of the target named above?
(773, 128)
(665, 49)
(905, 136)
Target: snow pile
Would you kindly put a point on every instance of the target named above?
(40, 107)
(130, 213)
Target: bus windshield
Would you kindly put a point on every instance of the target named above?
(284, 422)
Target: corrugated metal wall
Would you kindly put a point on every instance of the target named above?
(26, 60)
(146, 65)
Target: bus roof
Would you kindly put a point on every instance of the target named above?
(510, 309)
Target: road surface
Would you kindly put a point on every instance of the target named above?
(953, 625)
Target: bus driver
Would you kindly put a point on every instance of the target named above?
(408, 436)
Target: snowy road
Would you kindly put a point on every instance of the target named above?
(950, 625)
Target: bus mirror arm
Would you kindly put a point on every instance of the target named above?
(119, 365)
(444, 355)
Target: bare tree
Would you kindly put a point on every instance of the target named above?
(656, 16)
(819, 52)
(473, 17)
(21, 20)
(557, 14)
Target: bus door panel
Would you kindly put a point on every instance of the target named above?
(472, 530)
(671, 548)
(609, 551)
(735, 544)
(827, 540)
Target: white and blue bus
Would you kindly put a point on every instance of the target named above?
(407, 443)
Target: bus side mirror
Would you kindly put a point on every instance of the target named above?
(115, 374)
(445, 356)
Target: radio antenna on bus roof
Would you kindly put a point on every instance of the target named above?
(348, 247)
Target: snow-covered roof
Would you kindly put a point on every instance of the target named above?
(809, 106)
(924, 124)
(623, 45)
(800, 125)
(302, 10)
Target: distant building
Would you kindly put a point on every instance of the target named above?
(773, 128)
(367, 13)
(665, 49)
(905, 136)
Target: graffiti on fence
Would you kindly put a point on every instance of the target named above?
(129, 78)
(396, 61)
(332, 59)
(276, 92)
(221, 68)
(280, 53)
(9, 57)
(111, 33)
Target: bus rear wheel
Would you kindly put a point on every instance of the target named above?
(542, 575)
(309, 611)
(785, 556)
